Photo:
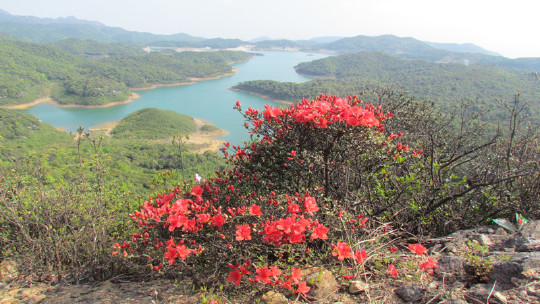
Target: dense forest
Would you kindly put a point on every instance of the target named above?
(442, 83)
(93, 73)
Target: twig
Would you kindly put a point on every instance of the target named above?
(434, 298)
(491, 293)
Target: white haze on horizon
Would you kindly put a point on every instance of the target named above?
(509, 28)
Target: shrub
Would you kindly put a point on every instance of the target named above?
(62, 230)
(288, 201)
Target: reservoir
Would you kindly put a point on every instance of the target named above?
(209, 100)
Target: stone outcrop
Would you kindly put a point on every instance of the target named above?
(488, 264)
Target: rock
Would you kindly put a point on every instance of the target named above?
(410, 293)
(534, 290)
(36, 299)
(358, 286)
(528, 238)
(504, 272)
(531, 269)
(479, 293)
(451, 247)
(322, 282)
(451, 268)
(273, 297)
(8, 271)
(499, 296)
(484, 240)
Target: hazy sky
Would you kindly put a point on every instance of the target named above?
(511, 28)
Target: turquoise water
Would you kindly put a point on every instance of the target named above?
(208, 100)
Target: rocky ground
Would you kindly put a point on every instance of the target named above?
(483, 265)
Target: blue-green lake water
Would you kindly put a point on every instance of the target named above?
(209, 100)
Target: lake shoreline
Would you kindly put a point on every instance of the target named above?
(287, 102)
(49, 100)
(52, 102)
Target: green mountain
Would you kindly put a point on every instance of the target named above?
(86, 72)
(94, 48)
(444, 84)
(151, 123)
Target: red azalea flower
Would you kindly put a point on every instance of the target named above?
(243, 232)
(319, 232)
(310, 205)
(234, 277)
(170, 255)
(348, 277)
(203, 218)
(392, 249)
(296, 275)
(197, 191)
(302, 288)
(429, 265)
(417, 249)
(293, 208)
(183, 252)
(360, 256)
(393, 271)
(218, 220)
(263, 274)
(287, 284)
(341, 250)
(255, 210)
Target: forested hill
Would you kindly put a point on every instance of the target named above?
(66, 71)
(95, 48)
(443, 83)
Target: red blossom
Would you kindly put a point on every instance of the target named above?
(310, 205)
(217, 220)
(360, 256)
(429, 265)
(341, 250)
(393, 271)
(255, 210)
(293, 208)
(263, 275)
(302, 288)
(417, 249)
(197, 191)
(243, 232)
(319, 232)
(234, 277)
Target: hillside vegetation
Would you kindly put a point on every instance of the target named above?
(153, 124)
(445, 84)
(32, 70)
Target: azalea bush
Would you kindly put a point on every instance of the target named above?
(289, 201)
